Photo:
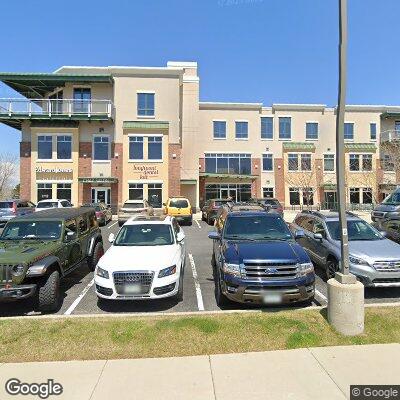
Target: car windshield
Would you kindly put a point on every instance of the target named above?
(393, 199)
(44, 230)
(179, 203)
(47, 204)
(6, 204)
(256, 228)
(133, 205)
(144, 235)
(356, 230)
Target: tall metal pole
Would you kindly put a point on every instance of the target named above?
(340, 154)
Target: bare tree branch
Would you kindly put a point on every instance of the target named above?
(8, 169)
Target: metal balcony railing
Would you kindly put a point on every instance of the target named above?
(50, 107)
(391, 135)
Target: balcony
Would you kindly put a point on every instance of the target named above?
(13, 111)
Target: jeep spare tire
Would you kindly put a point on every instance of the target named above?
(49, 292)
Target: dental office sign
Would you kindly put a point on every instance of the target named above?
(55, 170)
(146, 171)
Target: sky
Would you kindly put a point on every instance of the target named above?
(269, 51)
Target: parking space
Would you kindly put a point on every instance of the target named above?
(80, 298)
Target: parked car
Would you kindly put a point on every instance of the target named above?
(374, 259)
(180, 208)
(271, 202)
(145, 261)
(103, 212)
(256, 259)
(210, 210)
(390, 207)
(389, 227)
(10, 209)
(133, 208)
(53, 203)
(40, 249)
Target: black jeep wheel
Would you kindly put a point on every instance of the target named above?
(222, 300)
(332, 267)
(97, 254)
(49, 292)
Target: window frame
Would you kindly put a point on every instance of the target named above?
(161, 141)
(52, 146)
(280, 117)
(266, 117)
(308, 123)
(135, 141)
(239, 122)
(95, 160)
(347, 123)
(146, 93)
(373, 139)
(218, 121)
(334, 162)
(71, 144)
(271, 156)
(268, 188)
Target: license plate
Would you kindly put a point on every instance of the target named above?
(272, 298)
(132, 289)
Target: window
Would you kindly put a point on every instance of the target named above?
(241, 131)
(348, 131)
(293, 162)
(305, 162)
(83, 224)
(45, 147)
(101, 148)
(367, 195)
(154, 148)
(228, 163)
(268, 192)
(92, 220)
(267, 128)
(44, 191)
(354, 162)
(268, 162)
(372, 130)
(367, 162)
(219, 129)
(388, 164)
(135, 191)
(329, 162)
(64, 147)
(136, 147)
(397, 126)
(308, 196)
(70, 226)
(82, 97)
(154, 194)
(312, 130)
(145, 104)
(64, 191)
(294, 196)
(355, 195)
(285, 127)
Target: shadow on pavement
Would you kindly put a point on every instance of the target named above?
(128, 306)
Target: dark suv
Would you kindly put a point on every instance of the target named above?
(257, 260)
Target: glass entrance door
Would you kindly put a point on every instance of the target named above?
(101, 195)
(228, 194)
(330, 200)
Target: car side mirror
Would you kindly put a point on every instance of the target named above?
(70, 236)
(299, 234)
(214, 235)
(111, 238)
(318, 236)
(180, 237)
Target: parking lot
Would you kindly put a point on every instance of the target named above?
(80, 298)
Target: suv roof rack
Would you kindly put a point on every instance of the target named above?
(242, 205)
(325, 214)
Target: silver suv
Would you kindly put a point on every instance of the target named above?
(389, 208)
(374, 259)
(10, 209)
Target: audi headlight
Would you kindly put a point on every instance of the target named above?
(232, 269)
(18, 270)
(305, 269)
(167, 271)
(102, 273)
(357, 261)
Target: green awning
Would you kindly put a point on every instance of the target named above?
(100, 179)
(228, 176)
(329, 186)
(365, 147)
(188, 181)
(37, 85)
(387, 186)
(298, 146)
(145, 125)
(391, 114)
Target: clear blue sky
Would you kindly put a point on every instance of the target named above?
(266, 51)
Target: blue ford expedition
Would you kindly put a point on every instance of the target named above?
(257, 260)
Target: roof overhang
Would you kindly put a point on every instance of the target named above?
(204, 105)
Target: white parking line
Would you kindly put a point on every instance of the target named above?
(198, 223)
(200, 303)
(321, 296)
(79, 298)
(110, 226)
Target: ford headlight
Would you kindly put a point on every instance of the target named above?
(18, 270)
(232, 269)
(167, 271)
(102, 273)
(357, 261)
(305, 269)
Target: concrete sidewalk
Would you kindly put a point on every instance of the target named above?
(313, 373)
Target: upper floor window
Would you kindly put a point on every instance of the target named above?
(312, 130)
(303, 165)
(64, 147)
(388, 163)
(267, 128)
(154, 148)
(82, 97)
(293, 162)
(267, 162)
(136, 147)
(219, 129)
(367, 162)
(145, 104)
(242, 130)
(365, 159)
(232, 163)
(268, 192)
(285, 127)
(329, 162)
(101, 148)
(45, 147)
(372, 130)
(348, 130)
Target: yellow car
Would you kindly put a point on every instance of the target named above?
(180, 208)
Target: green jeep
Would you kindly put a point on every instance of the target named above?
(39, 249)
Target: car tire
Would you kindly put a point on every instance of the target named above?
(179, 294)
(332, 266)
(221, 299)
(49, 292)
(97, 254)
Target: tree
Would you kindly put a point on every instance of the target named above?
(8, 169)
(16, 191)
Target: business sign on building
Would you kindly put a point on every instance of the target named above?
(54, 170)
(146, 171)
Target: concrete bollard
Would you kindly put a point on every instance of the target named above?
(346, 306)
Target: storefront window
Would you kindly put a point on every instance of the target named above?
(101, 148)
(367, 196)
(135, 191)
(64, 147)
(294, 196)
(354, 195)
(238, 192)
(222, 163)
(136, 147)
(64, 191)
(155, 148)
(44, 191)
(45, 147)
(268, 192)
(155, 194)
(308, 197)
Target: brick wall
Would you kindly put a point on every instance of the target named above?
(84, 170)
(256, 184)
(116, 172)
(202, 165)
(279, 180)
(25, 170)
(174, 170)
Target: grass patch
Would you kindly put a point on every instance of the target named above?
(44, 339)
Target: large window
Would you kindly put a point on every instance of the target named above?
(267, 128)
(268, 192)
(228, 163)
(372, 130)
(101, 148)
(367, 196)
(44, 191)
(305, 162)
(294, 196)
(285, 127)
(64, 191)
(388, 163)
(354, 162)
(135, 191)
(154, 148)
(154, 191)
(355, 195)
(241, 130)
(219, 129)
(238, 192)
(303, 165)
(64, 147)
(366, 162)
(136, 147)
(308, 196)
(145, 104)
(329, 162)
(312, 130)
(268, 163)
(293, 162)
(82, 97)
(349, 130)
(45, 147)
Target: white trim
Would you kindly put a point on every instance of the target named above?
(262, 161)
(54, 181)
(146, 116)
(144, 181)
(101, 161)
(219, 138)
(218, 120)
(145, 134)
(242, 120)
(55, 160)
(190, 79)
(145, 91)
(145, 161)
(227, 152)
(182, 64)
